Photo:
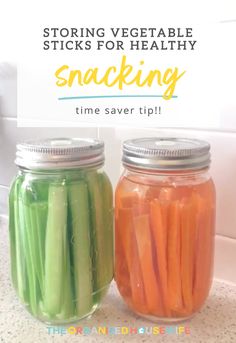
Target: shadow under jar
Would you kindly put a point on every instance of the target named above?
(164, 227)
(61, 228)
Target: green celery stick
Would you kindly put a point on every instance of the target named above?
(38, 213)
(79, 207)
(22, 238)
(67, 307)
(107, 205)
(30, 245)
(37, 229)
(55, 248)
(98, 239)
(17, 251)
(12, 231)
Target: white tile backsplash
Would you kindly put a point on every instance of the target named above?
(227, 10)
(225, 75)
(3, 200)
(225, 256)
(8, 90)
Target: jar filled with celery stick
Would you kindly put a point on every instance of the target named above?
(61, 228)
(165, 225)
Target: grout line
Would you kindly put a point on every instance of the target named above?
(214, 130)
(8, 118)
(223, 131)
(225, 237)
(4, 187)
(193, 129)
(227, 21)
(98, 132)
(225, 281)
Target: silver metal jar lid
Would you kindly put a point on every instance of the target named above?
(166, 153)
(58, 153)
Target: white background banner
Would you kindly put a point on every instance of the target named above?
(192, 46)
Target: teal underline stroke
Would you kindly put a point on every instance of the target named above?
(112, 96)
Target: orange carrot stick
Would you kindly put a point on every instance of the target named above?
(188, 232)
(205, 252)
(125, 220)
(142, 207)
(121, 267)
(125, 200)
(173, 257)
(129, 200)
(143, 237)
(166, 194)
(152, 193)
(159, 230)
(138, 204)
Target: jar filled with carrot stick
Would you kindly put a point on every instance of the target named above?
(165, 225)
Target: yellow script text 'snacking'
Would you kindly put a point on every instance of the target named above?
(124, 75)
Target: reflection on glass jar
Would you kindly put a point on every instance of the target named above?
(165, 224)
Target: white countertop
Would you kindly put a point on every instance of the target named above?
(215, 323)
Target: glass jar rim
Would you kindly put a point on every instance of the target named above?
(60, 153)
(166, 153)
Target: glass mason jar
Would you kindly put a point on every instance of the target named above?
(61, 228)
(165, 224)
